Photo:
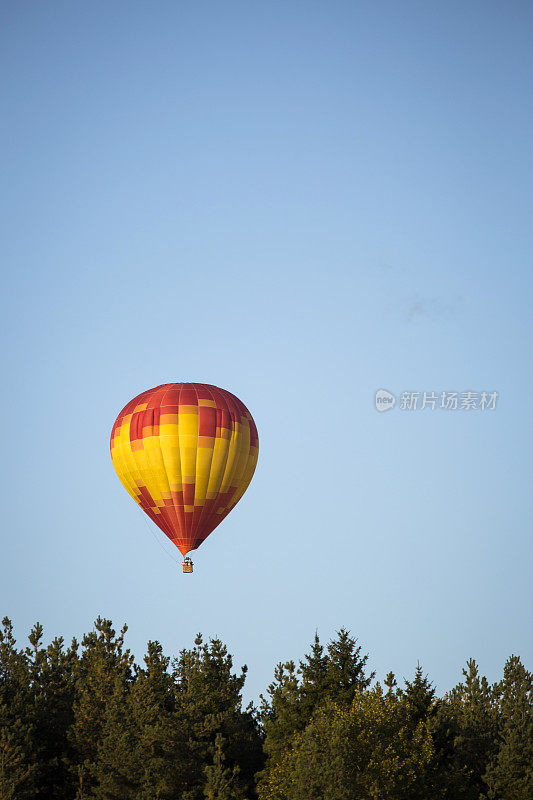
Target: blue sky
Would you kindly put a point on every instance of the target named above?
(301, 203)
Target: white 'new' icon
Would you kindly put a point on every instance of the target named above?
(384, 400)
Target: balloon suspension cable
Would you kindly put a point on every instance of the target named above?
(154, 534)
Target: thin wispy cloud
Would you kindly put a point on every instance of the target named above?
(430, 308)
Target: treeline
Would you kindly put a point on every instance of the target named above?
(84, 722)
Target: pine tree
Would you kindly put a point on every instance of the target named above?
(280, 710)
(116, 770)
(161, 737)
(422, 707)
(390, 683)
(18, 761)
(209, 698)
(104, 673)
(314, 683)
(346, 669)
(510, 773)
(90, 725)
(419, 696)
(17, 769)
(472, 708)
(365, 751)
(221, 782)
(52, 673)
(336, 675)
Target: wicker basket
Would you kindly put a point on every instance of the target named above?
(187, 567)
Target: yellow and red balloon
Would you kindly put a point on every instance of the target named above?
(186, 453)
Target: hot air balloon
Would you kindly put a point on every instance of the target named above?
(186, 453)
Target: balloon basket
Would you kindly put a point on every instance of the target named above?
(187, 565)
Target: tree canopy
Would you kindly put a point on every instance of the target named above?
(86, 722)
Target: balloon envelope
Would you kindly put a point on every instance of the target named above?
(186, 453)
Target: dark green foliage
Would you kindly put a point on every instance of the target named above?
(52, 672)
(364, 750)
(345, 669)
(330, 736)
(473, 713)
(510, 773)
(103, 678)
(17, 747)
(209, 703)
(159, 730)
(334, 675)
(36, 712)
(221, 782)
(86, 723)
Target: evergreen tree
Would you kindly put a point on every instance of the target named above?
(116, 770)
(209, 703)
(18, 764)
(473, 708)
(336, 675)
(510, 773)
(436, 780)
(280, 710)
(221, 782)
(90, 725)
(390, 683)
(52, 673)
(103, 674)
(366, 751)
(315, 678)
(346, 669)
(419, 697)
(17, 769)
(161, 736)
